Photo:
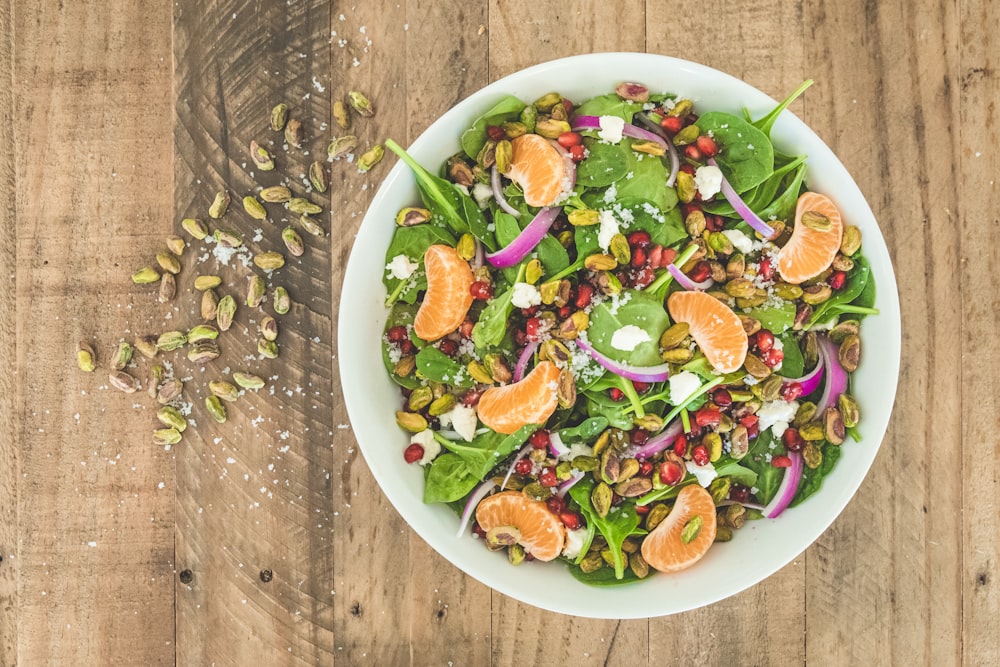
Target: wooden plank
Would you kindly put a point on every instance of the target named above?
(8, 359)
(885, 104)
(397, 601)
(254, 505)
(94, 545)
(977, 164)
(775, 67)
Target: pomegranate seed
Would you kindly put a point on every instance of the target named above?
(584, 293)
(523, 467)
(722, 397)
(531, 327)
(495, 132)
(764, 340)
(577, 153)
(707, 417)
(568, 106)
(413, 453)
(548, 477)
(645, 468)
(639, 238)
(530, 312)
(520, 337)
(700, 272)
(752, 424)
(471, 398)
(478, 531)
(642, 509)
(465, 328)
(672, 124)
(686, 209)
(397, 334)
(766, 270)
(670, 473)
(699, 454)
(837, 280)
(571, 520)
(616, 394)
(639, 437)
(792, 440)
(448, 346)
(669, 254)
(713, 223)
(791, 391)
(481, 290)
(681, 445)
(638, 257)
(643, 277)
(688, 169)
(692, 152)
(556, 504)
(781, 461)
(707, 145)
(569, 139)
(739, 493)
(539, 439)
(641, 387)
(407, 347)
(655, 255)
(773, 358)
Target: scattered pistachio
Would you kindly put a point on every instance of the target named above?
(687, 135)
(851, 241)
(255, 290)
(816, 221)
(267, 348)
(219, 205)
(317, 176)
(203, 352)
(279, 116)
(168, 390)
(261, 157)
(466, 246)
(203, 283)
(269, 261)
(171, 340)
(254, 208)
(516, 554)
(303, 206)
(195, 228)
(310, 225)
(224, 390)
(276, 194)
(600, 499)
(122, 357)
(293, 132)
(409, 216)
(123, 381)
(686, 188)
(342, 146)
(209, 305)
(340, 114)
(202, 332)
(281, 301)
(411, 421)
(166, 436)
(85, 357)
(215, 408)
(370, 158)
(228, 238)
(849, 353)
(175, 244)
(145, 276)
(147, 346)
(681, 108)
(269, 327)
(168, 288)
(225, 312)
(600, 262)
(171, 418)
(248, 380)
(361, 104)
(691, 529)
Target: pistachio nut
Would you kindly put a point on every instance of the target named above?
(360, 103)
(686, 188)
(571, 327)
(303, 206)
(340, 114)
(816, 294)
(370, 158)
(166, 436)
(293, 241)
(215, 408)
(547, 101)
(610, 464)
(740, 287)
(85, 357)
(516, 554)
(267, 349)
(466, 246)
(255, 290)
(803, 313)
(310, 226)
(816, 221)
(844, 329)
(619, 248)
(719, 489)
(420, 399)
(634, 487)
(592, 562)
(674, 335)
(720, 243)
(254, 208)
(248, 380)
(805, 414)
(503, 154)
(122, 356)
(279, 116)
(649, 148)
(812, 455)
(195, 228)
(848, 410)
(739, 442)
(224, 390)
(549, 290)
(769, 388)
(550, 128)
(276, 194)
(600, 262)
(584, 217)
(635, 92)
(649, 422)
(850, 243)
(566, 389)
(168, 390)
(691, 529)
(147, 346)
(123, 381)
(441, 405)
(171, 418)
(600, 499)
(293, 132)
(410, 216)
(755, 367)
(787, 291)
(736, 266)
(695, 224)
(156, 374)
(203, 352)
(209, 305)
(202, 283)
(202, 332)
(219, 205)
(411, 421)
(317, 176)
(227, 238)
(261, 157)
(342, 146)
(842, 263)
(225, 312)
(529, 114)
(687, 135)
(269, 261)
(477, 371)
(281, 302)
(677, 355)
(723, 533)
(555, 351)
(756, 299)
(656, 514)
(514, 129)
(681, 108)
(171, 340)
(849, 352)
(812, 432)
(565, 238)
(497, 368)
(638, 565)
(735, 516)
(269, 328)
(628, 468)
(145, 276)
(712, 441)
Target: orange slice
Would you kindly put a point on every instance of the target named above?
(530, 401)
(664, 549)
(543, 535)
(539, 168)
(448, 298)
(714, 326)
(810, 251)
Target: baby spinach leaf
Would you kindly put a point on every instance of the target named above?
(435, 365)
(506, 228)
(857, 282)
(474, 138)
(605, 164)
(631, 307)
(492, 324)
(646, 178)
(552, 255)
(793, 365)
(401, 314)
(783, 208)
(777, 318)
(602, 577)
(487, 450)
(746, 156)
(413, 242)
(608, 105)
(615, 527)
(587, 430)
(768, 477)
(447, 480)
(767, 122)
(600, 405)
(812, 480)
(737, 472)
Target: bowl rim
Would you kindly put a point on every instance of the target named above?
(349, 342)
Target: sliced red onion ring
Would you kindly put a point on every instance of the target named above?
(836, 376)
(498, 194)
(786, 490)
(481, 492)
(675, 161)
(630, 130)
(568, 484)
(510, 471)
(660, 441)
(556, 445)
(522, 361)
(639, 373)
(742, 209)
(685, 282)
(526, 241)
(810, 380)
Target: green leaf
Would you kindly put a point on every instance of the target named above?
(602, 577)
(767, 122)
(552, 255)
(487, 450)
(605, 164)
(474, 138)
(608, 105)
(768, 477)
(812, 480)
(600, 405)
(401, 314)
(492, 324)
(854, 289)
(793, 365)
(736, 471)
(413, 242)
(615, 527)
(746, 156)
(646, 178)
(776, 318)
(783, 208)
(631, 308)
(448, 479)
(437, 366)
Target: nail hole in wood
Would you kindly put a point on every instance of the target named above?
(356, 609)
(186, 576)
(266, 575)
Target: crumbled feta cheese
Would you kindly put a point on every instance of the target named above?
(740, 241)
(609, 227)
(776, 415)
(628, 338)
(431, 446)
(463, 419)
(482, 193)
(578, 449)
(401, 267)
(682, 385)
(612, 128)
(525, 295)
(704, 474)
(708, 180)
(574, 542)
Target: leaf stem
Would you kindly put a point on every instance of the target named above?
(664, 278)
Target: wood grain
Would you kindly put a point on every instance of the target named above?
(254, 498)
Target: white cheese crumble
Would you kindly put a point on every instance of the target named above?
(463, 420)
(708, 180)
(704, 474)
(401, 267)
(776, 415)
(628, 338)
(525, 295)
(431, 446)
(609, 227)
(612, 128)
(482, 193)
(740, 241)
(682, 385)
(574, 542)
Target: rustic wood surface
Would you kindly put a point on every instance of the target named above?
(265, 540)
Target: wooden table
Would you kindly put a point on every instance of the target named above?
(119, 119)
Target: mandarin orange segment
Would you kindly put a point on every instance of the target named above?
(543, 534)
(447, 299)
(664, 548)
(539, 168)
(812, 247)
(714, 326)
(530, 401)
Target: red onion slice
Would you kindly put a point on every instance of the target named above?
(660, 441)
(629, 130)
(810, 381)
(786, 490)
(481, 492)
(510, 471)
(556, 445)
(639, 373)
(498, 193)
(568, 484)
(526, 241)
(741, 208)
(684, 281)
(675, 161)
(522, 361)
(836, 376)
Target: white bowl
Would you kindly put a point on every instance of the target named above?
(757, 550)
